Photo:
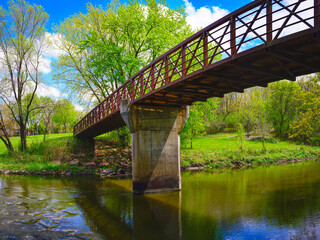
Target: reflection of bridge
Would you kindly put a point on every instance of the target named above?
(262, 42)
(118, 215)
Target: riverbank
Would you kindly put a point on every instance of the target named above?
(59, 156)
(225, 150)
(63, 156)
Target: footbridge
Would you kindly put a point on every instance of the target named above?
(262, 42)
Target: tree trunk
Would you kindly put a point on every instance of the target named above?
(5, 137)
(8, 143)
(44, 134)
(23, 137)
(263, 146)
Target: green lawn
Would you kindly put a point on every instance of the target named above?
(35, 139)
(40, 155)
(227, 141)
(224, 149)
(211, 151)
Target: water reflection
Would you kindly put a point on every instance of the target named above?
(278, 202)
(115, 213)
(158, 216)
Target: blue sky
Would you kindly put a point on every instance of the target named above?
(61, 9)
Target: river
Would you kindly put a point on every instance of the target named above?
(273, 202)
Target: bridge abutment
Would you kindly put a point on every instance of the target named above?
(155, 146)
(85, 145)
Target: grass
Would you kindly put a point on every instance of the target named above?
(219, 150)
(39, 155)
(223, 149)
(32, 140)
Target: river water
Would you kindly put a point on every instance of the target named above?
(275, 202)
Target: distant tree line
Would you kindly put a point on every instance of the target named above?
(48, 116)
(284, 109)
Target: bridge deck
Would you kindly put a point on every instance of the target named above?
(170, 79)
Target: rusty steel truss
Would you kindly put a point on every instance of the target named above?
(262, 42)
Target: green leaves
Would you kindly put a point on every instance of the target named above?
(105, 47)
(200, 114)
(306, 126)
(65, 114)
(282, 105)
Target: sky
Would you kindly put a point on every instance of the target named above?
(200, 13)
(58, 10)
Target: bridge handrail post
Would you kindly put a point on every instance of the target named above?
(205, 48)
(316, 13)
(233, 35)
(153, 84)
(132, 89)
(269, 21)
(103, 108)
(183, 54)
(118, 99)
(166, 69)
(141, 84)
(98, 113)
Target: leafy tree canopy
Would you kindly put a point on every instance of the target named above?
(104, 47)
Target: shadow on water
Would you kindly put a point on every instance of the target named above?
(277, 202)
(117, 214)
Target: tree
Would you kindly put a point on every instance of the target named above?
(35, 115)
(229, 105)
(104, 47)
(21, 48)
(5, 126)
(65, 114)
(282, 105)
(195, 125)
(47, 112)
(245, 111)
(251, 110)
(71, 68)
(306, 126)
(260, 113)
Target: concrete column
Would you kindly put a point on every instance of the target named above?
(155, 146)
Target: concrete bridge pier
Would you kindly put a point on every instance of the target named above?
(155, 145)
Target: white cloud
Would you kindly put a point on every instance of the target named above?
(44, 65)
(53, 41)
(78, 107)
(51, 50)
(48, 45)
(202, 17)
(47, 91)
